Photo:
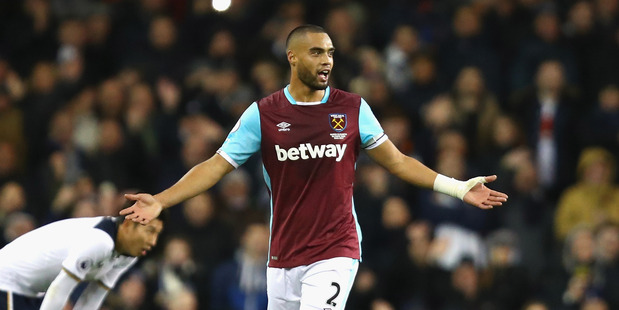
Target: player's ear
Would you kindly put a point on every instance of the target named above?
(292, 58)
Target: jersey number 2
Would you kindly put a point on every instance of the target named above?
(337, 292)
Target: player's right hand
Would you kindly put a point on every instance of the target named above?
(144, 210)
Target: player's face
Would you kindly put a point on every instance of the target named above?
(315, 63)
(141, 238)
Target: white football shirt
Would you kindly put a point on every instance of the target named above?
(82, 246)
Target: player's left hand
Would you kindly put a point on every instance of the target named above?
(144, 210)
(483, 197)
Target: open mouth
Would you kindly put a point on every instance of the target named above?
(323, 75)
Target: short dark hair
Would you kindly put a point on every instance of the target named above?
(303, 29)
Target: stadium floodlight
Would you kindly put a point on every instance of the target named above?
(221, 5)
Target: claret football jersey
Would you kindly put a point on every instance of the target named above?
(309, 151)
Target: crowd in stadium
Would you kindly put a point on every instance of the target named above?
(104, 97)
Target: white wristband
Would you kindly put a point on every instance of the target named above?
(453, 187)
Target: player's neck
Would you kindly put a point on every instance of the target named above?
(302, 93)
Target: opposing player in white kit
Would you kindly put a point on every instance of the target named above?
(40, 269)
(309, 136)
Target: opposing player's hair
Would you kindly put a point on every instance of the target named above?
(302, 30)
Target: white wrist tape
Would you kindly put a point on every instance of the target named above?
(453, 187)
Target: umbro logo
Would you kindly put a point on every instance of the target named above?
(283, 126)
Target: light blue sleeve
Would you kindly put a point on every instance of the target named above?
(372, 134)
(244, 139)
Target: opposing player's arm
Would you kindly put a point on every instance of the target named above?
(413, 171)
(59, 291)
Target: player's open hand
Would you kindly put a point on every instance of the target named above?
(145, 208)
(483, 197)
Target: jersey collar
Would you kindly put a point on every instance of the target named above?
(292, 101)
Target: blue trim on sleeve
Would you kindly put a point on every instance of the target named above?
(369, 127)
(244, 139)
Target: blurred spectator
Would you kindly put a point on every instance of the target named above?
(535, 305)
(404, 43)
(476, 108)
(505, 137)
(425, 86)
(39, 104)
(607, 261)
(595, 304)
(594, 198)
(69, 58)
(111, 99)
(267, 78)
(463, 289)
(572, 279)
(9, 167)
(506, 278)
(99, 55)
(453, 244)
(12, 201)
(232, 94)
(184, 299)
(365, 290)
(546, 113)
(17, 224)
(391, 235)
(164, 57)
(606, 16)
(12, 137)
(212, 240)
(507, 25)
(410, 282)
(37, 29)
(344, 25)
(546, 42)
(601, 64)
(466, 46)
(177, 271)
(238, 203)
(530, 215)
(131, 293)
(240, 283)
(600, 127)
(581, 34)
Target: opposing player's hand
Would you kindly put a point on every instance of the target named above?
(483, 197)
(144, 210)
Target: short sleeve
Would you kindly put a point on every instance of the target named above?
(89, 250)
(244, 139)
(372, 134)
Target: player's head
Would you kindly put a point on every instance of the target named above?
(310, 53)
(135, 239)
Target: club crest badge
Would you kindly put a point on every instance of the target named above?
(338, 121)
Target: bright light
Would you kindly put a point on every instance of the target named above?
(221, 5)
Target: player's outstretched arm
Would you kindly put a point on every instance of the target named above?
(413, 171)
(199, 179)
